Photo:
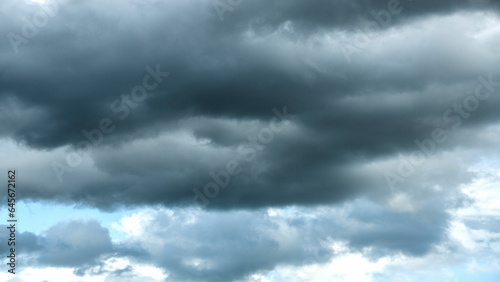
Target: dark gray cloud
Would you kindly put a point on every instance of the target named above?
(226, 77)
(212, 75)
(352, 120)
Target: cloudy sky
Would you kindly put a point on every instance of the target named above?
(252, 140)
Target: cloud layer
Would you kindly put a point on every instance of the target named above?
(366, 116)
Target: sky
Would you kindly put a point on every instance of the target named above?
(262, 140)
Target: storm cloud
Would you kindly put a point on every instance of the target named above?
(373, 110)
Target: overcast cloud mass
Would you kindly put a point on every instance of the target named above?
(252, 140)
